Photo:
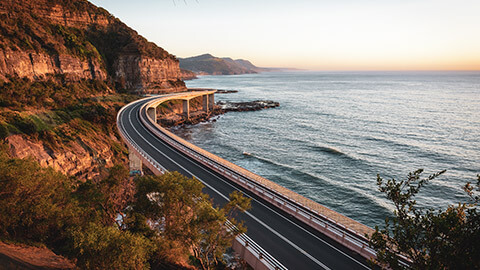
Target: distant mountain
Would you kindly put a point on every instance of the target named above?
(207, 64)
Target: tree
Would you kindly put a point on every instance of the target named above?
(211, 236)
(184, 217)
(427, 238)
(35, 202)
(108, 197)
(106, 247)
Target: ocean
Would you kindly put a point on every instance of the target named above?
(335, 131)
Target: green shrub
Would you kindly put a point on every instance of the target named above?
(34, 200)
(98, 247)
(25, 125)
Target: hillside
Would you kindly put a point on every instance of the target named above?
(75, 40)
(63, 65)
(208, 64)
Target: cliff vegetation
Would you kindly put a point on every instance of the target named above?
(117, 222)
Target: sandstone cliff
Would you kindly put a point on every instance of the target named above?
(82, 157)
(73, 38)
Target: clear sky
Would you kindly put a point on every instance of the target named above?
(314, 34)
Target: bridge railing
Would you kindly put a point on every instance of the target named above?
(250, 248)
(144, 156)
(338, 227)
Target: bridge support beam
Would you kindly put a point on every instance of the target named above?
(135, 163)
(186, 108)
(211, 101)
(206, 108)
(152, 112)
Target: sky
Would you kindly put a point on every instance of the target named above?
(314, 34)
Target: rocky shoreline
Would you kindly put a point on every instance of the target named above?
(221, 107)
(255, 105)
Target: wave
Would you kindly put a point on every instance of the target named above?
(416, 150)
(325, 149)
(329, 150)
(282, 166)
(350, 192)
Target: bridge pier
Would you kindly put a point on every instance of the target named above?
(152, 112)
(211, 101)
(206, 108)
(186, 108)
(135, 163)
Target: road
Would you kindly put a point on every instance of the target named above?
(294, 244)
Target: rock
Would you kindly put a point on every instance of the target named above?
(81, 157)
(37, 66)
(221, 91)
(14, 256)
(247, 106)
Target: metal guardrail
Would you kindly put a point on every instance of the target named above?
(255, 249)
(338, 227)
(132, 145)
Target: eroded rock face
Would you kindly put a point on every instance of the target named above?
(37, 66)
(149, 74)
(81, 157)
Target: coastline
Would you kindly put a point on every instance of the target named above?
(170, 115)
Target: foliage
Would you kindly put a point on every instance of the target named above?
(179, 212)
(429, 239)
(106, 247)
(75, 41)
(34, 200)
(105, 199)
(20, 93)
(3, 131)
(115, 222)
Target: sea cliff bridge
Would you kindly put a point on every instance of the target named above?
(285, 229)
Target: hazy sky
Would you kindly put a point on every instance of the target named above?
(314, 34)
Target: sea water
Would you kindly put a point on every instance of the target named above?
(335, 131)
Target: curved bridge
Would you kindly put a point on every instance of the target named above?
(285, 229)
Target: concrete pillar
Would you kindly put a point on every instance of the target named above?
(186, 108)
(152, 112)
(135, 163)
(211, 101)
(205, 103)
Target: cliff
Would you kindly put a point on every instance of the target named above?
(188, 75)
(41, 39)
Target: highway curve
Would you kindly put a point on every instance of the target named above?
(292, 243)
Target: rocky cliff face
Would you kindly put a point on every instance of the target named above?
(38, 66)
(77, 40)
(148, 74)
(82, 158)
